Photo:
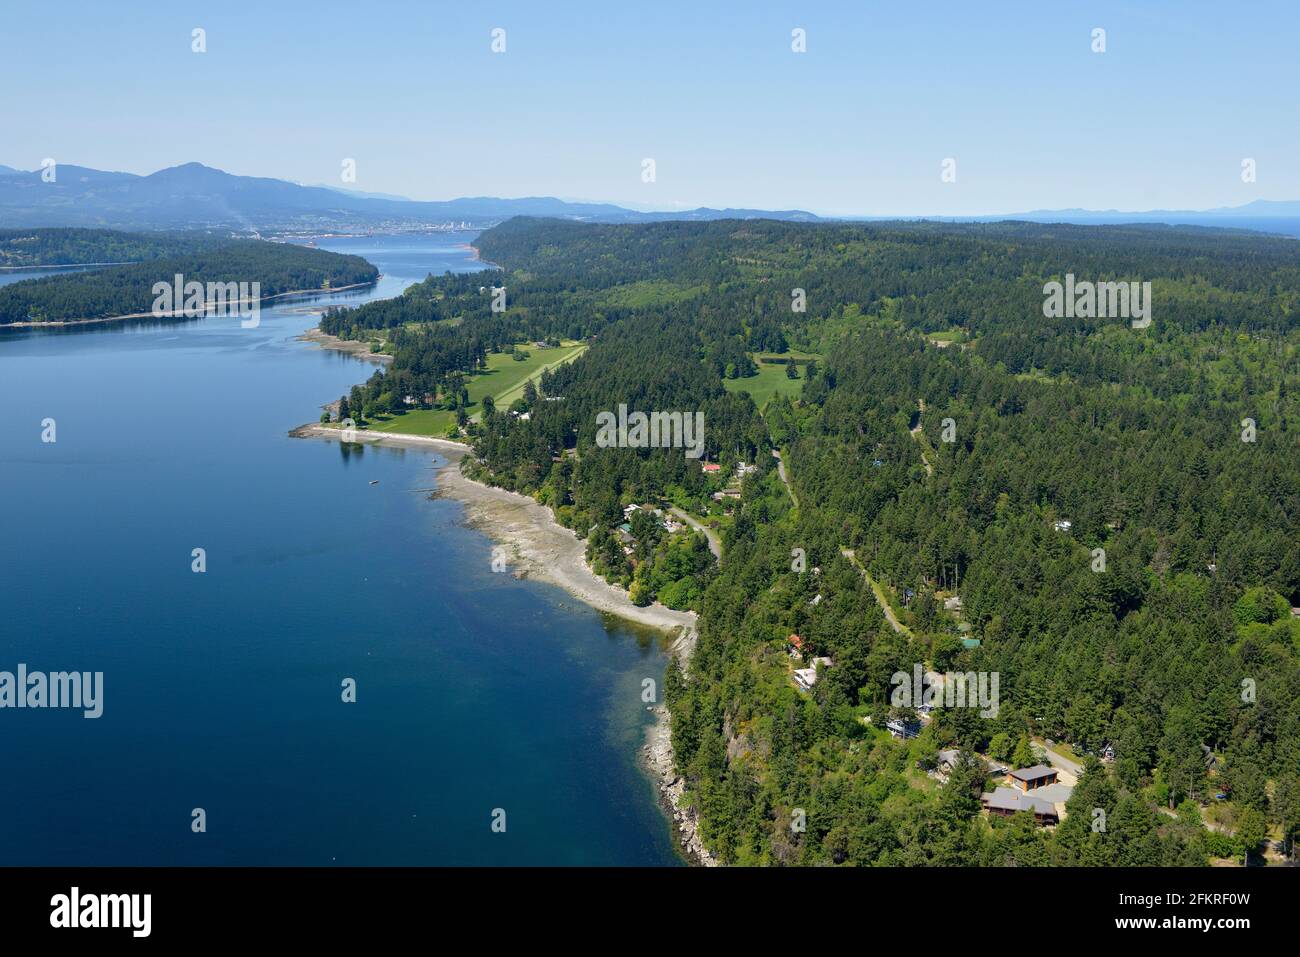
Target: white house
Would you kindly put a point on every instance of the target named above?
(805, 678)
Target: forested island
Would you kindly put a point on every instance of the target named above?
(29, 248)
(129, 290)
(1106, 516)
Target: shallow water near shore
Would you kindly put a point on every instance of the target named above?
(222, 690)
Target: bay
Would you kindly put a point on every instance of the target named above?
(222, 690)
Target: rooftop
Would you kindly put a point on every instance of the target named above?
(805, 677)
(1008, 799)
(1036, 773)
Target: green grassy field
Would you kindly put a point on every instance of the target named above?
(504, 380)
(770, 381)
(433, 422)
(792, 354)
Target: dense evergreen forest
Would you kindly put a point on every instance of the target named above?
(1106, 516)
(128, 290)
(63, 247)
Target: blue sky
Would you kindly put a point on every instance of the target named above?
(859, 124)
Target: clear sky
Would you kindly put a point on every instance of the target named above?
(859, 124)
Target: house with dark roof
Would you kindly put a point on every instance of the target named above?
(1005, 802)
(1027, 779)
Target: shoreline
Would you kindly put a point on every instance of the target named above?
(478, 256)
(178, 316)
(657, 758)
(352, 347)
(543, 549)
(65, 266)
(540, 547)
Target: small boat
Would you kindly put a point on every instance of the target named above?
(374, 481)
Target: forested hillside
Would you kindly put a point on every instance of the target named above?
(65, 247)
(1106, 516)
(128, 290)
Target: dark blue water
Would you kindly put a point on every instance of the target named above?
(223, 690)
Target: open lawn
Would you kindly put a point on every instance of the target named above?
(770, 381)
(946, 337)
(435, 422)
(504, 380)
(778, 357)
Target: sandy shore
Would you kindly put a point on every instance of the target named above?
(538, 546)
(351, 346)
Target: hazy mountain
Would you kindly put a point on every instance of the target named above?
(361, 194)
(1263, 208)
(1265, 215)
(194, 195)
(707, 213)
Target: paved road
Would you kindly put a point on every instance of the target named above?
(1060, 761)
(715, 544)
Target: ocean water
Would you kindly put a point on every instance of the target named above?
(222, 690)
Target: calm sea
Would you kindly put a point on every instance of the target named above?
(222, 690)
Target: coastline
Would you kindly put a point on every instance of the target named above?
(543, 549)
(539, 546)
(181, 315)
(657, 758)
(352, 347)
(478, 257)
(63, 266)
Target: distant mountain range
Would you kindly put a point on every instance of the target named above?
(194, 195)
(1269, 215)
(198, 196)
(1260, 207)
